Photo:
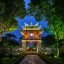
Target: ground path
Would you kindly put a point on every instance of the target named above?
(32, 59)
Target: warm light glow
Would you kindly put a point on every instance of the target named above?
(31, 34)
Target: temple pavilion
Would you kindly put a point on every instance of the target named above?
(31, 40)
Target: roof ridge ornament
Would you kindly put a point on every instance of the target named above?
(36, 24)
(31, 24)
(26, 24)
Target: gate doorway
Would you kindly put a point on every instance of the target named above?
(31, 47)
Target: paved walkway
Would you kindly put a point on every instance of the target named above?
(32, 59)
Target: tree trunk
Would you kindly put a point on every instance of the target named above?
(57, 44)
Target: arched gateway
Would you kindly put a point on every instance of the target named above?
(31, 41)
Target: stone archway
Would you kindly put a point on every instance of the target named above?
(37, 45)
(31, 46)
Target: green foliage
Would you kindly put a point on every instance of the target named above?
(53, 11)
(48, 8)
(59, 8)
(58, 29)
(9, 9)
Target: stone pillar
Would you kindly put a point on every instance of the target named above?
(38, 47)
(24, 46)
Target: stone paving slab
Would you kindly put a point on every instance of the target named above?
(32, 59)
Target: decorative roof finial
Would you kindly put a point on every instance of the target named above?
(36, 24)
(26, 24)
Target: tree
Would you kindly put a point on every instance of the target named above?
(41, 8)
(57, 29)
(9, 9)
(48, 8)
(59, 8)
(53, 11)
